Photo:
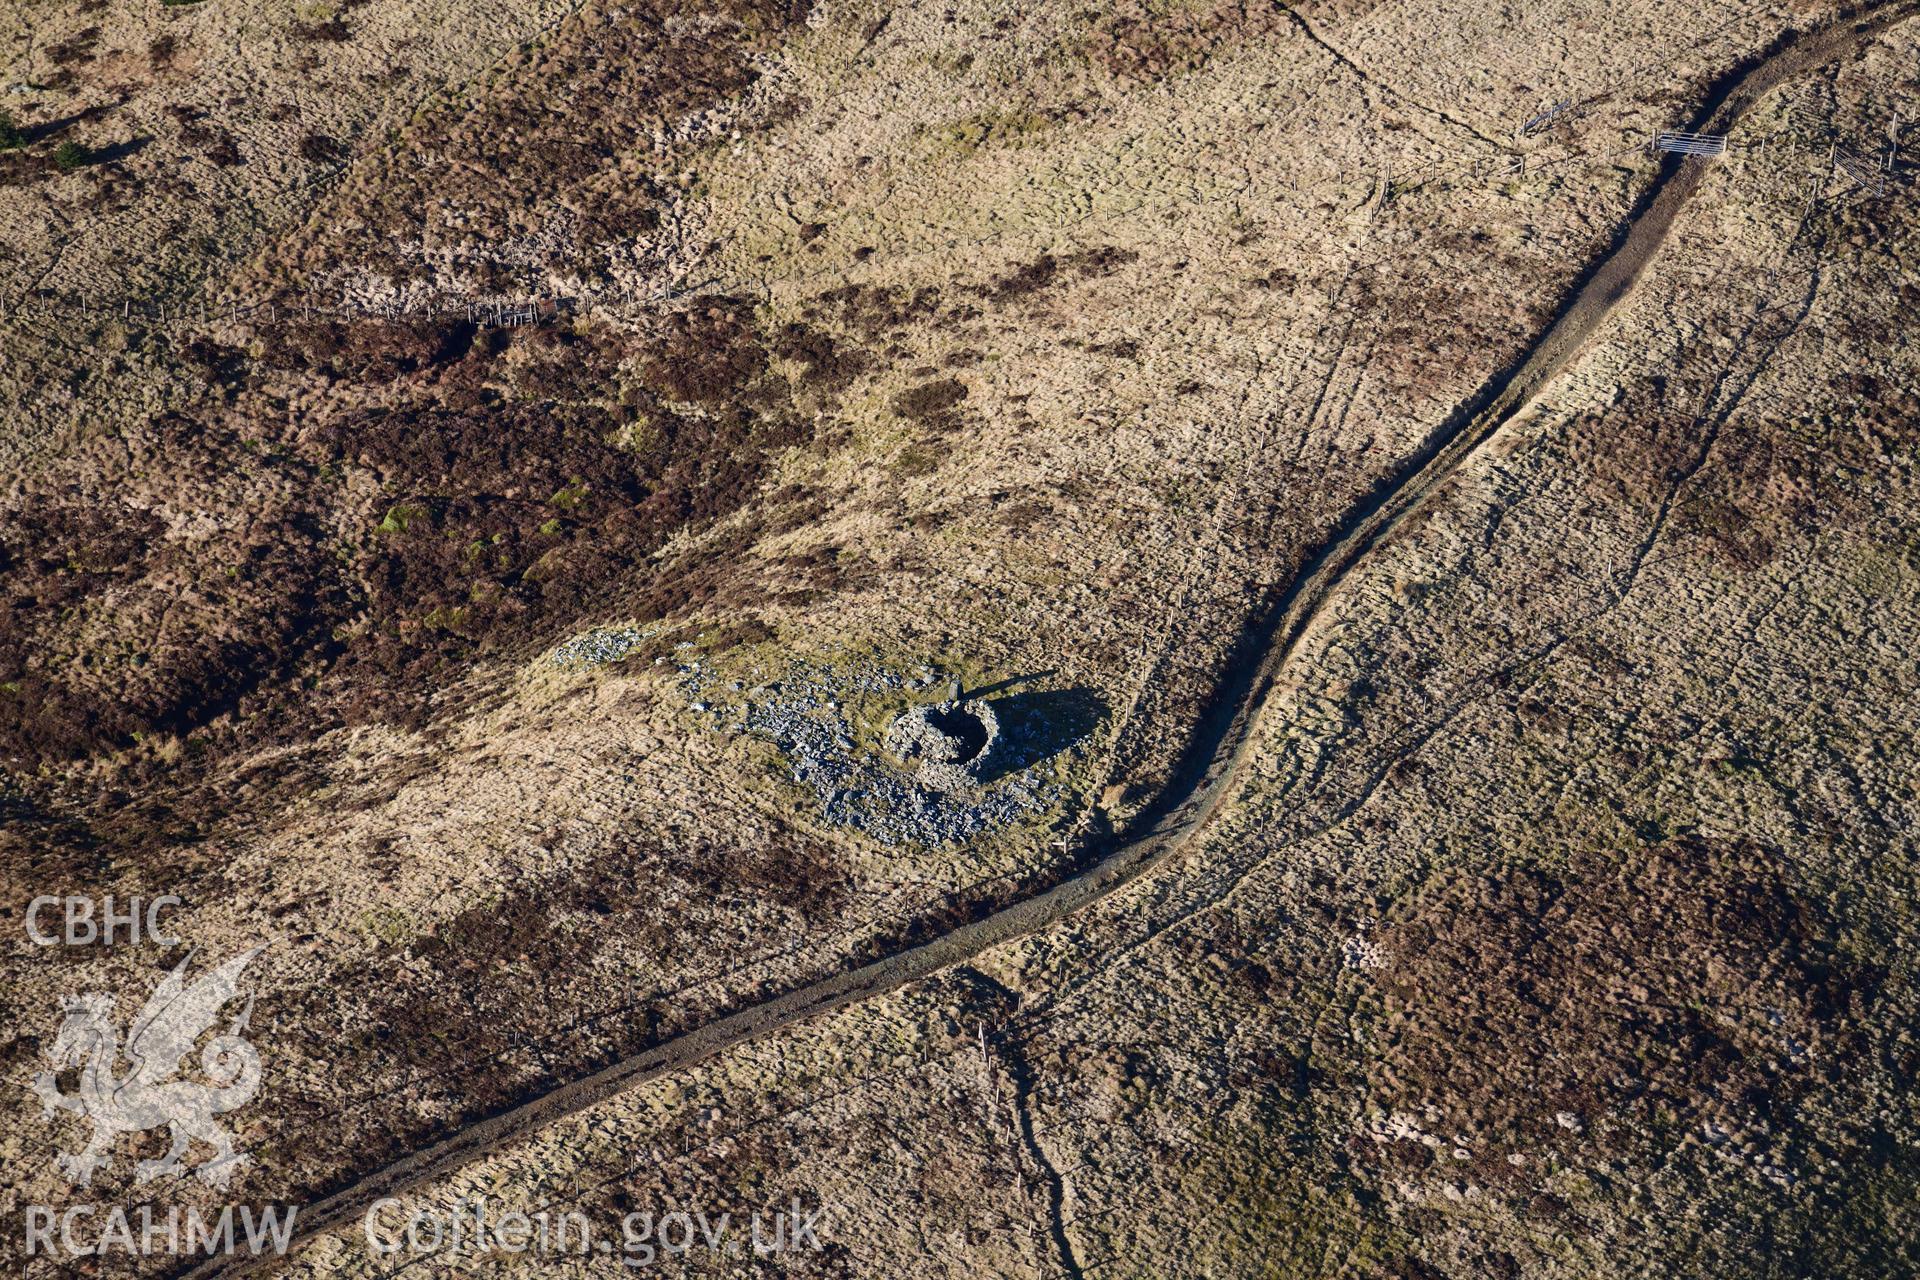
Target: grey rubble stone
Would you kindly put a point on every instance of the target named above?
(597, 648)
(803, 714)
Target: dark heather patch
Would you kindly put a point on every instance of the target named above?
(1138, 44)
(1509, 1000)
(393, 501)
(1102, 261)
(353, 517)
(1047, 270)
(1774, 481)
(456, 496)
(874, 312)
(704, 356)
(504, 1001)
(827, 362)
(1032, 278)
(320, 148)
(930, 402)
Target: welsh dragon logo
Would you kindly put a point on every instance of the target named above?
(146, 1096)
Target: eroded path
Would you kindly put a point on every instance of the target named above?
(1212, 766)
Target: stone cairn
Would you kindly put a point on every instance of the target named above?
(948, 744)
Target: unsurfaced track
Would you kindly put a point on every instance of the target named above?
(1212, 766)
